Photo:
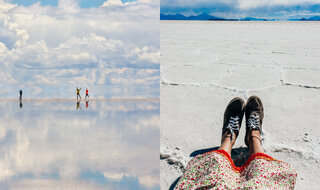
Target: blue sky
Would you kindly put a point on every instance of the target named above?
(82, 3)
(277, 9)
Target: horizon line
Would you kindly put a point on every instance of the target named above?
(74, 99)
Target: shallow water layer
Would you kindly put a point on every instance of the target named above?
(93, 145)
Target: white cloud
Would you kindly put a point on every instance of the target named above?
(112, 3)
(3, 47)
(146, 54)
(113, 176)
(249, 4)
(57, 48)
(68, 6)
(148, 181)
(245, 4)
(148, 1)
(48, 184)
(52, 139)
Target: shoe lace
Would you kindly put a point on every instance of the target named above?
(233, 125)
(253, 122)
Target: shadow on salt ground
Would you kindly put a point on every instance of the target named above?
(239, 156)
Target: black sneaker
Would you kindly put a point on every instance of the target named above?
(254, 116)
(233, 117)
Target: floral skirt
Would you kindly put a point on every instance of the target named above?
(216, 170)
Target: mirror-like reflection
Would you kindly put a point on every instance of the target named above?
(87, 103)
(78, 104)
(20, 103)
(51, 145)
(20, 99)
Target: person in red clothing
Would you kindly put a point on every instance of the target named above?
(87, 93)
(216, 169)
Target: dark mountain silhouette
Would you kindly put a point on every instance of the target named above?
(253, 19)
(182, 17)
(213, 18)
(314, 18)
(204, 17)
(173, 17)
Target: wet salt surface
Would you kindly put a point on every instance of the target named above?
(62, 145)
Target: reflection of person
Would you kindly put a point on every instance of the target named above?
(87, 104)
(78, 93)
(78, 104)
(216, 169)
(20, 99)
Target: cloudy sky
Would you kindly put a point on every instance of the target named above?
(109, 145)
(49, 47)
(277, 9)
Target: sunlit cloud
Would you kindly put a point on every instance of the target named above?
(110, 144)
(56, 48)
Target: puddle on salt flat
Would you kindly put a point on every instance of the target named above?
(62, 145)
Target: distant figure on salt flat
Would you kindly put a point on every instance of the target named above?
(87, 93)
(20, 92)
(78, 93)
(20, 99)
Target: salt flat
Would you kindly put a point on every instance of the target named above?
(59, 144)
(205, 64)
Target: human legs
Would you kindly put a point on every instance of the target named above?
(255, 143)
(231, 123)
(269, 172)
(254, 116)
(227, 143)
(216, 170)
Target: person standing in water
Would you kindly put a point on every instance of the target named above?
(78, 93)
(87, 100)
(87, 93)
(20, 92)
(20, 99)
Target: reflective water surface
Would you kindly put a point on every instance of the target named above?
(86, 145)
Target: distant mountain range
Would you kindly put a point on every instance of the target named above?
(182, 17)
(213, 18)
(314, 18)
(255, 19)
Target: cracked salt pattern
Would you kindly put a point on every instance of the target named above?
(205, 64)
